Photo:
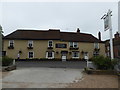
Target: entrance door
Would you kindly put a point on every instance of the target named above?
(64, 57)
(86, 56)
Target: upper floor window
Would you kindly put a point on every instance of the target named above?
(96, 45)
(73, 44)
(50, 43)
(30, 43)
(11, 43)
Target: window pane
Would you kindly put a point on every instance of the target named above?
(11, 43)
(96, 45)
(75, 44)
(30, 43)
(49, 54)
(61, 45)
(30, 54)
(71, 44)
(75, 54)
(50, 43)
(96, 53)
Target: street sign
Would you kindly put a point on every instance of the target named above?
(106, 23)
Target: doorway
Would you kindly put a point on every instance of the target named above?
(64, 55)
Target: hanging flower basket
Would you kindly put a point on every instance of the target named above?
(20, 51)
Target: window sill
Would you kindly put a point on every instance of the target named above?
(10, 47)
(30, 47)
(50, 47)
(50, 58)
(75, 57)
(73, 48)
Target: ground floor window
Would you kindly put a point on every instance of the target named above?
(50, 55)
(31, 55)
(75, 54)
(96, 53)
(3, 53)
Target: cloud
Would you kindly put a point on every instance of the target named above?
(64, 15)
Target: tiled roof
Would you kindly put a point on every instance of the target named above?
(51, 34)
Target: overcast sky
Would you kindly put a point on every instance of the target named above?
(66, 16)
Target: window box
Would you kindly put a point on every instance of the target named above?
(73, 48)
(10, 47)
(50, 47)
(30, 47)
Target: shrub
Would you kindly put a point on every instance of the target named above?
(104, 63)
(6, 61)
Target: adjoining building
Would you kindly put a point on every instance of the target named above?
(116, 46)
(52, 44)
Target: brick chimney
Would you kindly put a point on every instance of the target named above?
(117, 35)
(78, 30)
(99, 35)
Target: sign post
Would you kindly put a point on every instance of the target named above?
(108, 25)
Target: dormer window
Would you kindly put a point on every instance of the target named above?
(30, 43)
(50, 43)
(73, 44)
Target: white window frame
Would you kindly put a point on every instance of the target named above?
(52, 43)
(95, 45)
(73, 44)
(75, 57)
(50, 57)
(28, 54)
(29, 42)
(69, 44)
(10, 41)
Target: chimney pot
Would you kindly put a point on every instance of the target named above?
(117, 35)
(78, 30)
(99, 35)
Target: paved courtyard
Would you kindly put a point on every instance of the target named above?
(41, 77)
(55, 75)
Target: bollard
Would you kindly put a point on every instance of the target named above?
(14, 62)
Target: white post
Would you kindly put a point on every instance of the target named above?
(110, 30)
(14, 62)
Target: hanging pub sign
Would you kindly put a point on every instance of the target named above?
(106, 23)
